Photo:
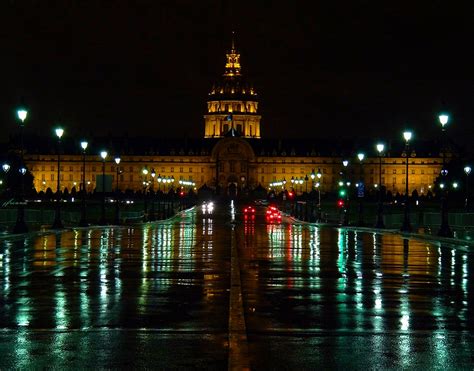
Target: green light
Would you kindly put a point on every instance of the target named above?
(342, 192)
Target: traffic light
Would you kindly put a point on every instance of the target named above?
(340, 203)
(342, 192)
(290, 194)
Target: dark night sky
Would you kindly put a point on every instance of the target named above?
(322, 68)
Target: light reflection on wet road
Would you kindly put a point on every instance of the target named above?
(158, 296)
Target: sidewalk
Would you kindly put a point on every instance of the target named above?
(411, 235)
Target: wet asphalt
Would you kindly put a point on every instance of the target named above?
(161, 295)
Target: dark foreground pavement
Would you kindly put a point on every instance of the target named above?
(217, 291)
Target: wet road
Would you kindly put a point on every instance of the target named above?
(210, 291)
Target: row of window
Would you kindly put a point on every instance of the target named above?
(113, 169)
(352, 171)
(236, 107)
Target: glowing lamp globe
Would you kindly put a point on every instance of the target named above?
(443, 119)
(407, 135)
(59, 132)
(22, 113)
(6, 167)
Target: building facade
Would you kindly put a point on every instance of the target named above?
(232, 154)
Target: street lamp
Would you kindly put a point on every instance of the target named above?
(103, 155)
(117, 191)
(444, 229)
(145, 200)
(379, 223)
(467, 171)
(57, 224)
(6, 169)
(306, 183)
(20, 225)
(152, 211)
(345, 210)
(360, 191)
(159, 179)
(83, 222)
(406, 227)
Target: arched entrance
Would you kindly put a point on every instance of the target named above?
(234, 165)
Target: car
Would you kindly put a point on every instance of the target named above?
(261, 202)
(249, 210)
(273, 214)
(207, 207)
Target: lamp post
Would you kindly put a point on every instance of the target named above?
(103, 155)
(306, 183)
(117, 191)
(6, 168)
(83, 222)
(361, 190)
(318, 185)
(152, 211)
(160, 207)
(379, 223)
(57, 224)
(159, 179)
(345, 220)
(444, 229)
(145, 198)
(406, 226)
(20, 225)
(467, 171)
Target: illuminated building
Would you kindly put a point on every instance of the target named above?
(232, 154)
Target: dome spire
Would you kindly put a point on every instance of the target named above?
(232, 66)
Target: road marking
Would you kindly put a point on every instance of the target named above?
(238, 346)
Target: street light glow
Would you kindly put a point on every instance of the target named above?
(117, 160)
(145, 171)
(59, 132)
(380, 147)
(22, 113)
(319, 174)
(6, 167)
(345, 163)
(443, 119)
(360, 156)
(407, 135)
(103, 154)
(467, 170)
(84, 145)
